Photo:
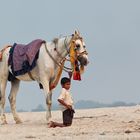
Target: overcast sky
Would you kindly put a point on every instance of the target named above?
(111, 30)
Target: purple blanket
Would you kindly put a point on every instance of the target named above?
(24, 53)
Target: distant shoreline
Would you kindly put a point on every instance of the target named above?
(82, 104)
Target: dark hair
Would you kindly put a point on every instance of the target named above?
(65, 80)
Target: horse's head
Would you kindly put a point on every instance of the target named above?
(78, 54)
(74, 46)
(78, 49)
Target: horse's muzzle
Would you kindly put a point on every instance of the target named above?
(83, 60)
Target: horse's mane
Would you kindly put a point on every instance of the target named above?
(55, 40)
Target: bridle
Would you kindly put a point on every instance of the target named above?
(63, 59)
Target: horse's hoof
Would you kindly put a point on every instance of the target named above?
(18, 122)
(3, 120)
(3, 123)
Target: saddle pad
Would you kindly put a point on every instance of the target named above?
(22, 58)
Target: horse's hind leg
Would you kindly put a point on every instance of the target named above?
(12, 99)
(2, 100)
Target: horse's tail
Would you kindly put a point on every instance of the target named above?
(0, 95)
(1, 51)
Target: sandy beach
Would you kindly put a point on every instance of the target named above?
(120, 123)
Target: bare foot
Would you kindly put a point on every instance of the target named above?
(51, 124)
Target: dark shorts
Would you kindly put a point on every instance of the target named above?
(68, 116)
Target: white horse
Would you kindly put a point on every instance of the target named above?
(47, 71)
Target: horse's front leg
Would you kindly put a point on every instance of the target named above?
(12, 99)
(48, 97)
(49, 105)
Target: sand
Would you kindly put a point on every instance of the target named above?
(120, 123)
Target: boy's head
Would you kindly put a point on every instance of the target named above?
(65, 82)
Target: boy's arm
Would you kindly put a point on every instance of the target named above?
(63, 103)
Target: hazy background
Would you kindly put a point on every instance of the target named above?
(111, 29)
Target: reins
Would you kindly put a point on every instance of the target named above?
(66, 69)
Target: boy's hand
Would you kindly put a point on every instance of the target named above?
(63, 103)
(69, 106)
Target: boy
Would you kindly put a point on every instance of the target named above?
(66, 104)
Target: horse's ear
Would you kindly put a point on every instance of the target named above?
(76, 33)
